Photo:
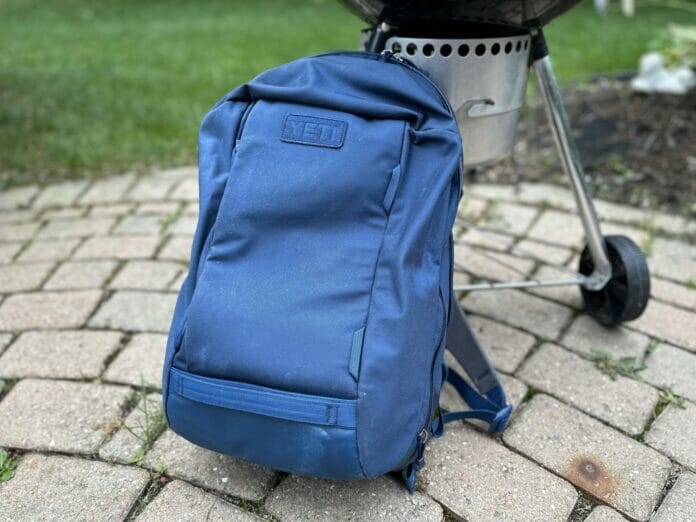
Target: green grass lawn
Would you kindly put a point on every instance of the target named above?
(91, 87)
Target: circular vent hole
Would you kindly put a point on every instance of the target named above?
(428, 50)
(508, 48)
(396, 47)
(446, 50)
(526, 44)
(495, 48)
(463, 50)
(480, 50)
(411, 49)
(518, 47)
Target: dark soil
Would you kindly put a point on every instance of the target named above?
(638, 150)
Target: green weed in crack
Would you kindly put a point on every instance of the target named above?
(7, 466)
(150, 425)
(625, 366)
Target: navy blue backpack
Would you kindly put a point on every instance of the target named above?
(309, 335)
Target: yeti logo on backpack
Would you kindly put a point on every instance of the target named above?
(309, 335)
(309, 130)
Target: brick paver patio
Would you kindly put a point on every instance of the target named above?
(88, 279)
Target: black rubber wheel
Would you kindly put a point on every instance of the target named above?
(626, 294)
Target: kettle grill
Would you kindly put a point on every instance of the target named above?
(479, 52)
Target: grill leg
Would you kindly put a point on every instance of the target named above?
(570, 159)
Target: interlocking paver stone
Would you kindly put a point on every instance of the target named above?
(66, 416)
(485, 239)
(567, 294)
(489, 265)
(586, 335)
(605, 514)
(492, 191)
(184, 225)
(299, 499)
(504, 345)
(63, 213)
(668, 366)
(140, 425)
(75, 354)
(186, 503)
(514, 219)
(624, 403)
(17, 216)
(668, 323)
(60, 194)
(17, 197)
(53, 250)
(8, 251)
(208, 469)
(139, 225)
(80, 227)
(186, 190)
(135, 312)
(15, 278)
(542, 252)
(158, 208)
(546, 194)
(674, 434)
(608, 465)
(18, 231)
(680, 502)
(77, 275)
(146, 275)
(673, 260)
(107, 190)
(537, 315)
(114, 210)
(150, 188)
(177, 248)
(68, 488)
(140, 362)
(118, 247)
(471, 209)
(477, 478)
(559, 228)
(46, 310)
(673, 293)
(4, 341)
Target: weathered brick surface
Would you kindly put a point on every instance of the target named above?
(585, 335)
(51, 250)
(668, 323)
(186, 190)
(185, 503)
(80, 227)
(9, 250)
(680, 503)
(140, 362)
(146, 275)
(135, 312)
(72, 354)
(118, 247)
(674, 434)
(46, 310)
(299, 499)
(542, 251)
(151, 188)
(115, 210)
(546, 194)
(139, 225)
(60, 194)
(108, 190)
(17, 278)
(78, 275)
(514, 219)
(673, 293)
(17, 197)
(63, 488)
(210, 470)
(488, 265)
(18, 231)
(567, 295)
(668, 366)
(559, 228)
(607, 465)
(177, 248)
(477, 478)
(505, 346)
(63, 416)
(623, 403)
(184, 225)
(673, 260)
(605, 514)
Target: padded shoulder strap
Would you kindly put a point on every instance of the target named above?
(486, 398)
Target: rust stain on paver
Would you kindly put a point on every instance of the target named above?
(590, 474)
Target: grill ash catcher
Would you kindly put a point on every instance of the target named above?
(479, 54)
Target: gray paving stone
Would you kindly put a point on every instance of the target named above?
(8, 251)
(546, 194)
(63, 213)
(179, 280)
(53, 250)
(586, 335)
(673, 260)
(505, 346)
(79, 227)
(186, 190)
(113, 210)
(673, 293)
(151, 188)
(486, 239)
(208, 469)
(46, 310)
(609, 466)
(184, 226)
(477, 478)
(18, 231)
(65, 488)
(680, 502)
(668, 366)
(17, 197)
(514, 219)
(471, 209)
(567, 295)
(177, 248)
(146, 275)
(71, 354)
(141, 424)
(542, 252)
(16, 278)
(108, 190)
(539, 316)
(139, 225)
(605, 514)
(4, 342)
(78, 275)
(488, 265)
(17, 216)
(186, 503)
(623, 403)
(60, 194)
(300, 498)
(140, 362)
(65, 416)
(559, 228)
(639, 236)
(191, 209)
(118, 247)
(178, 173)
(668, 323)
(158, 208)
(674, 434)
(492, 191)
(135, 312)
